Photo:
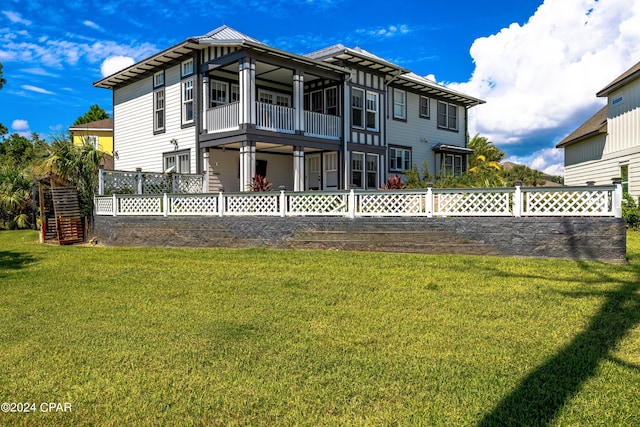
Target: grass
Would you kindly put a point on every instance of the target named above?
(146, 336)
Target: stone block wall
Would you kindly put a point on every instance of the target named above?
(578, 238)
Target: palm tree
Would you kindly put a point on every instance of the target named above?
(484, 148)
(15, 198)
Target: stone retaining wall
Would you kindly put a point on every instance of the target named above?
(579, 238)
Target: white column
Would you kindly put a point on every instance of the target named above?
(247, 83)
(298, 102)
(298, 169)
(247, 164)
(205, 102)
(205, 171)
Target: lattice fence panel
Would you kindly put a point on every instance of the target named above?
(140, 205)
(193, 205)
(104, 205)
(318, 204)
(155, 183)
(252, 205)
(380, 204)
(473, 203)
(117, 182)
(575, 203)
(187, 184)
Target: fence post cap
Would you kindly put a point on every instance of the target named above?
(282, 188)
(429, 184)
(617, 180)
(517, 183)
(138, 169)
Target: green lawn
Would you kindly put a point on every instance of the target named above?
(140, 336)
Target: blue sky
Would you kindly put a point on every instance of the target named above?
(537, 63)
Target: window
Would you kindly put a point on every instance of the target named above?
(158, 79)
(283, 100)
(187, 101)
(372, 111)
(624, 176)
(92, 140)
(357, 111)
(331, 170)
(331, 96)
(357, 169)
(399, 104)
(372, 171)
(180, 161)
(399, 159)
(425, 111)
(158, 110)
(219, 93)
(453, 165)
(316, 101)
(187, 68)
(235, 93)
(447, 116)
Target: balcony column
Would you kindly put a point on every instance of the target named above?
(247, 83)
(298, 102)
(298, 168)
(247, 164)
(205, 102)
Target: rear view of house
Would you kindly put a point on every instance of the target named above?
(226, 105)
(608, 144)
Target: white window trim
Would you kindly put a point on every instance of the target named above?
(405, 161)
(186, 68)
(447, 116)
(156, 127)
(158, 79)
(374, 96)
(400, 101)
(175, 155)
(213, 102)
(450, 168)
(361, 107)
(186, 101)
(428, 115)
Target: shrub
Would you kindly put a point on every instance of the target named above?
(631, 211)
(394, 183)
(260, 183)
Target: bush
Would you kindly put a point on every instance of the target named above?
(631, 211)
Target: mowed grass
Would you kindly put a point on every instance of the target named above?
(147, 336)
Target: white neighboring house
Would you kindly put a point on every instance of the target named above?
(608, 144)
(232, 107)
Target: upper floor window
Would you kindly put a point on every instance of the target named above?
(268, 97)
(372, 111)
(425, 111)
(219, 93)
(447, 116)
(399, 159)
(158, 79)
(187, 101)
(187, 67)
(399, 104)
(357, 108)
(158, 110)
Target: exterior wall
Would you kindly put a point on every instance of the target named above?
(134, 140)
(421, 134)
(623, 118)
(105, 139)
(224, 170)
(575, 238)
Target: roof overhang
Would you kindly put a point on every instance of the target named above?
(444, 148)
(429, 88)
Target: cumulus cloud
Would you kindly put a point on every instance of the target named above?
(113, 64)
(20, 125)
(36, 89)
(388, 31)
(92, 24)
(15, 18)
(540, 79)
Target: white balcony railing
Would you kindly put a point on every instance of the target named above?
(429, 202)
(274, 117)
(223, 118)
(321, 125)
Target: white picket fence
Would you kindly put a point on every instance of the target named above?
(429, 202)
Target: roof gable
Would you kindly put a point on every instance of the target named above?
(104, 124)
(596, 124)
(225, 33)
(623, 79)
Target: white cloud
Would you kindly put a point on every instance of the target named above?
(92, 24)
(15, 18)
(36, 89)
(20, 125)
(540, 79)
(389, 31)
(113, 64)
(547, 160)
(38, 71)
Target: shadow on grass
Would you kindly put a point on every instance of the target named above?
(11, 261)
(541, 395)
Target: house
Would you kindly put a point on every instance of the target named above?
(607, 145)
(99, 134)
(229, 106)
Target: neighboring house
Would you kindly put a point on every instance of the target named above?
(233, 107)
(99, 134)
(608, 144)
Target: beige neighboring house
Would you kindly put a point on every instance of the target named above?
(99, 134)
(607, 145)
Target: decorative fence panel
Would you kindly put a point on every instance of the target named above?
(122, 182)
(563, 201)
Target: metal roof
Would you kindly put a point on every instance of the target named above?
(357, 56)
(415, 82)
